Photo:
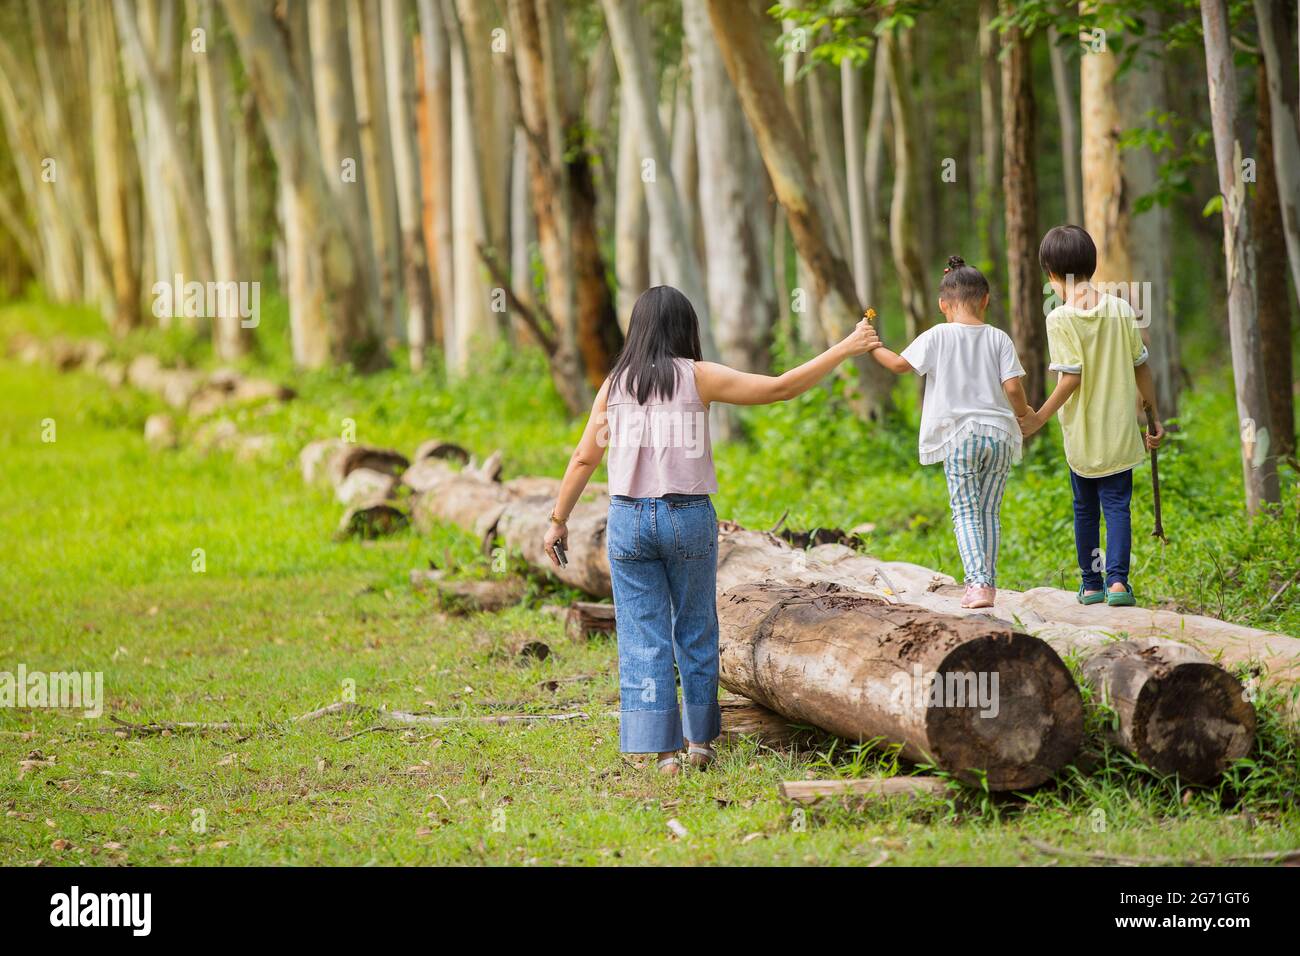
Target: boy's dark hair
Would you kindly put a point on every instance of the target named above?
(1068, 251)
(962, 283)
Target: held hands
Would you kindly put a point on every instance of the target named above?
(1030, 422)
(556, 533)
(862, 339)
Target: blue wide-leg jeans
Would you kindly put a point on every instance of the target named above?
(663, 562)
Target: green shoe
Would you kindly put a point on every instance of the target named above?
(1123, 598)
(1096, 598)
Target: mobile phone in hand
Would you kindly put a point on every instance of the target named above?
(560, 554)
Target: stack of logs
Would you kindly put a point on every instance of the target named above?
(878, 650)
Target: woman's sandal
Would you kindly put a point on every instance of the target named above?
(1123, 598)
(669, 766)
(1095, 598)
(701, 756)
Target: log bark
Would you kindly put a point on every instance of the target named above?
(862, 668)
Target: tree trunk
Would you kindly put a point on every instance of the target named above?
(475, 321)
(371, 98)
(631, 222)
(1068, 121)
(115, 196)
(1106, 201)
(728, 165)
(663, 194)
(337, 300)
(1143, 97)
(1024, 284)
(736, 29)
(1277, 43)
(340, 141)
(1274, 299)
(436, 63)
(179, 164)
(854, 121)
(229, 335)
(399, 85)
(904, 221)
(874, 156)
(1259, 466)
(988, 201)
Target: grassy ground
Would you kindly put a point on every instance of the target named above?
(97, 570)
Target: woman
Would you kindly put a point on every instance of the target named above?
(662, 532)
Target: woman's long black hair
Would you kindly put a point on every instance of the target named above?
(663, 327)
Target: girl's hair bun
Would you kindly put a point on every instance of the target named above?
(956, 262)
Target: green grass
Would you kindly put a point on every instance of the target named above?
(97, 542)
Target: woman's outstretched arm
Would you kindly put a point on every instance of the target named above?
(719, 383)
(582, 464)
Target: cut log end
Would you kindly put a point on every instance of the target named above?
(1005, 706)
(1194, 721)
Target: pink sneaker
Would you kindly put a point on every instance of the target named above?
(979, 595)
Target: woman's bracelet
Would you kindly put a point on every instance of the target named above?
(556, 519)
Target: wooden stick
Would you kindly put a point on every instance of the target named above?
(1278, 856)
(811, 791)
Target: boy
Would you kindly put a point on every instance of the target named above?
(1094, 345)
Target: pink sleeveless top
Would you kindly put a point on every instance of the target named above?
(662, 447)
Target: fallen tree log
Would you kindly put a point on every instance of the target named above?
(519, 516)
(1177, 710)
(973, 696)
(586, 619)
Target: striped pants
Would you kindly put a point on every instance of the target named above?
(977, 470)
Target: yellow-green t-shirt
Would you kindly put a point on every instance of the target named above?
(1102, 345)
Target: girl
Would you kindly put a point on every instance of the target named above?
(969, 420)
(662, 532)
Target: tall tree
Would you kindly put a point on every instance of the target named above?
(332, 316)
(1024, 284)
(231, 339)
(1277, 43)
(855, 128)
(370, 94)
(399, 84)
(663, 197)
(1274, 298)
(1259, 467)
(987, 201)
(904, 207)
(115, 193)
(1105, 201)
(728, 163)
(736, 27)
(435, 62)
(1068, 122)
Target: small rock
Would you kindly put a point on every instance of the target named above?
(160, 431)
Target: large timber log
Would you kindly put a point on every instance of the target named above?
(974, 696)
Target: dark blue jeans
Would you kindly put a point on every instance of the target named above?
(1094, 497)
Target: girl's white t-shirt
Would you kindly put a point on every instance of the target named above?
(964, 368)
